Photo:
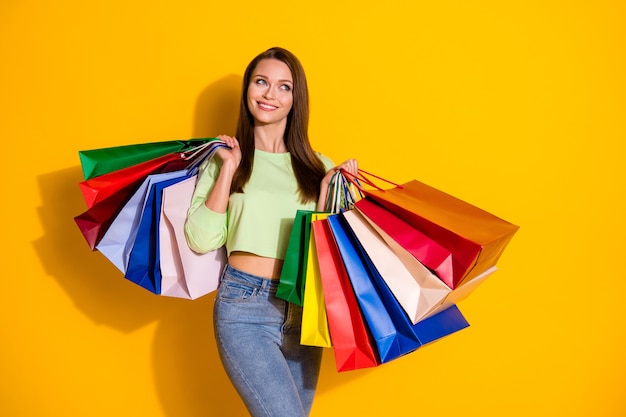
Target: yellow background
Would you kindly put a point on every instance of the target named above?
(516, 107)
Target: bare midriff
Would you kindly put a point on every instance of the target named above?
(256, 265)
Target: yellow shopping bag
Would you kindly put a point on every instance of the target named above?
(314, 320)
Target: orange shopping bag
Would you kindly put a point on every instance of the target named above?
(475, 237)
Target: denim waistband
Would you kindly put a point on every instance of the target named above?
(255, 281)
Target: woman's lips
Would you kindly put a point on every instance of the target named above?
(265, 106)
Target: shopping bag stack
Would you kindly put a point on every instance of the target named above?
(380, 273)
(137, 199)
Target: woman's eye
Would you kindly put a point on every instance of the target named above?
(260, 81)
(285, 87)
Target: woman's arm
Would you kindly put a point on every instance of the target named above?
(217, 200)
(205, 228)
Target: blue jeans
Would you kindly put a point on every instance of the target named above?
(258, 339)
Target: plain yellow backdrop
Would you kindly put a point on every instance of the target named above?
(516, 107)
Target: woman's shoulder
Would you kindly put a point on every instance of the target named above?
(328, 163)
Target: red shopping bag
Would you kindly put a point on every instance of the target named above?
(117, 189)
(350, 339)
(94, 222)
(432, 292)
(99, 188)
(475, 237)
(426, 250)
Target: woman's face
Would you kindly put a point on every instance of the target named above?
(270, 93)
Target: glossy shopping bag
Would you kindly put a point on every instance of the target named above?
(127, 230)
(293, 274)
(96, 162)
(118, 240)
(442, 322)
(392, 339)
(315, 330)
(425, 249)
(352, 345)
(393, 331)
(94, 222)
(99, 188)
(416, 288)
(184, 273)
(475, 237)
(415, 267)
(144, 262)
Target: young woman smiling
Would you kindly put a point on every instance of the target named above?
(246, 199)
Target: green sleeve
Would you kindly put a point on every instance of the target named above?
(205, 229)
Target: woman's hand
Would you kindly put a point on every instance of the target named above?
(230, 157)
(217, 199)
(350, 165)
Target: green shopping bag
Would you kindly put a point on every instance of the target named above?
(292, 280)
(95, 162)
(293, 274)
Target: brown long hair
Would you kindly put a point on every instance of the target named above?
(308, 168)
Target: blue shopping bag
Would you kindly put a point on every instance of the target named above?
(393, 338)
(143, 263)
(118, 240)
(392, 330)
(143, 266)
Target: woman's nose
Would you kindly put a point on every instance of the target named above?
(268, 93)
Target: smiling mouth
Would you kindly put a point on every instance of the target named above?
(265, 106)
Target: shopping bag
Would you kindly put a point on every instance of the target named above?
(400, 335)
(416, 288)
(461, 292)
(94, 222)
(442, 321)
(184, 273)
(95, 162)
(392, 335)
(144, 263)
(426, 250)
(99, 188)
(292, 276)
(351, 342)
(475, 237)
(117, 242)
(342, 193)
(453, 296)
(314, 331)
(133, 243)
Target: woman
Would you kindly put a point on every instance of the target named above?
(247, 199)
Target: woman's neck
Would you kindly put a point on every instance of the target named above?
(270, 138)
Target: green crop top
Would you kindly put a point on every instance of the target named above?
(260, 219)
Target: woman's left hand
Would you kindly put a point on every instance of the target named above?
(351, 165)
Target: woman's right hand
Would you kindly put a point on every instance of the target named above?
(232, 156)
(217, 199)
